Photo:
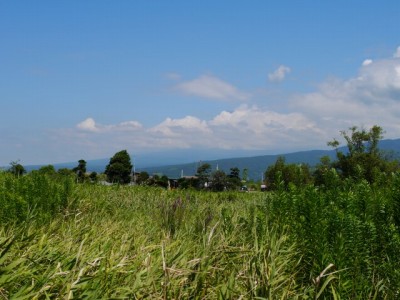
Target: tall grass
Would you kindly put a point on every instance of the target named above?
(353, 227)
(37, 195)
(119, 242)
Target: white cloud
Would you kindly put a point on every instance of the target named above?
(176, 127)
(308, 121)
(279, 74)
(211, 87)
(126, 126)
(372, 97)
(367, 62)
(243, 128)
(261, 121)
(90, 125)
(397, 53)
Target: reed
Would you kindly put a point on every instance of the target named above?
(119, 242)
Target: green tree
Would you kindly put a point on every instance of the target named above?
(234, 178)
(80, 170)
(281, 175)
(188, 182)
(93, 177)
(363, 159)
(16, 168)
(142, 177)
(203, 174)
(48, 170)
(274, 173)
(322, 170)
(65, 172)
(158, 180)
(119, 169)
(218, 181)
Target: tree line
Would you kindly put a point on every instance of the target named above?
(361, 160)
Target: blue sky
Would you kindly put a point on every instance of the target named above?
(85, 79)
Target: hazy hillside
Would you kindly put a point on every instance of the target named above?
(174, 163)
(256, 165)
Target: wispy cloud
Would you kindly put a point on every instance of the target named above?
(207, 86)
(279, 74)
(173, 76)
(367, 62)
(177, 127)
(90, 125)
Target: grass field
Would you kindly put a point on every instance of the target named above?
(62, 240)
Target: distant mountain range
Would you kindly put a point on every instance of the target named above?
(185, 162)
(257, 165)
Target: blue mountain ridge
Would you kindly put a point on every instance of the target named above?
(185, 162)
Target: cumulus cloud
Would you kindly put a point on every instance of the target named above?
(88, 125)
(211, 87)
(371, 97)
(306, 121)
(279, 74)
(246, 127)
(260, 121)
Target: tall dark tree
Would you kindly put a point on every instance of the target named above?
(218, 181)
(80, 170)
(16, 168)
(119, 169)
(234, 178)
(203, 174)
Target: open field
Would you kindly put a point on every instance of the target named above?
(64, 240)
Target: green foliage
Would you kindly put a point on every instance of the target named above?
(156, 180)
(142, 177)
(80, 171)
(188, 183)
(234, 181)
(281, 175)
(65, 172)
(119, 169)
(138, 242)
(203, 174)
(219, 181)
(363, 159)
(31, 195)
(141, 242)
(48, 170)
(16, 168)
(93, 177)
(352, 226)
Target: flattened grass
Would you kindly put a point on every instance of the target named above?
(124, 242)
